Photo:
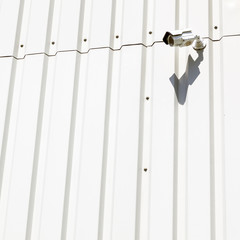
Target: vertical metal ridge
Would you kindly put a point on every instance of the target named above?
(39, 122)
(175, 149)
(180, 183)
(72, 125)
(177, 13)
(105, 149)
(216, 135)
(211, 134)
(85, 22)
(141, 125)
(66, 230)
(210, 20)
(19, 26)
(117, 20)
(36, 150)
(113, 21)
(217, 175)
(49, 25)
(223, 180)
(175, 146)
(54, 15)
(7, 121)
(7, 131)
(145, 21)
(101, 220)
(140, 147)
(22, 28)
(80, 22)
(215, 30)
(78, 177)
(70, 148)
(145, 128)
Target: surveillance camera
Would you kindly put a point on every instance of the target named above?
(183, 38)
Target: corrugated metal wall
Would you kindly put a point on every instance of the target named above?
(107, 133)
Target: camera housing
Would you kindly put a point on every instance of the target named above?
(183, 38)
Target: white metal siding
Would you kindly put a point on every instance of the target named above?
(106, 133)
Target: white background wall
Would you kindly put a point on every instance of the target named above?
(107, 133)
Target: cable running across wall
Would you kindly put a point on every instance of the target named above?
(110, 48)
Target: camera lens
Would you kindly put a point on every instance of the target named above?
(170, 41)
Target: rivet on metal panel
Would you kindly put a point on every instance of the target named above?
(150, 32)
(147, 98)
(145, 169)
(117, 36)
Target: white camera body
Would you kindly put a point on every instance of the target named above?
(183, 38)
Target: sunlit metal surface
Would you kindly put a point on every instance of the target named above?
(131, 144)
